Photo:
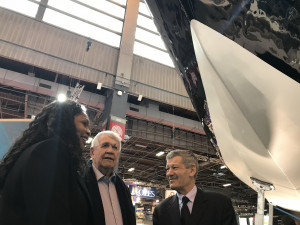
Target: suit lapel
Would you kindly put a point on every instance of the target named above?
(92, 186)
(198, 208)
(173, 209)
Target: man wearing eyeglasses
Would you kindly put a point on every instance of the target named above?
(111, 197)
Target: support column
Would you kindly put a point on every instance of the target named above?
(261, 187)
(127, 43)
(115, 108)
(41, 10)
(271, 213)
(25, 106)
(114, 114)
(259, 216)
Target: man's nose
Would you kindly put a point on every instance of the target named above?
(169, 172)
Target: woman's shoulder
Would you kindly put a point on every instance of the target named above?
(49, 147)
(45, 144)
(48, 141)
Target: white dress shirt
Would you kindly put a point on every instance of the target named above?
(191, 196)
(110, 200)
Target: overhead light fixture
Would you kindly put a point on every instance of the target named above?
(140, 98)
(131, 169)
(83, 108)
(99, 86)
(141, 146)
(61, 97)
(160, 153)
(223, 167)
(218, 174)
(226, 185)
(119, 93)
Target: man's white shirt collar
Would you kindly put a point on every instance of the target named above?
(100, 175)
(191, 195)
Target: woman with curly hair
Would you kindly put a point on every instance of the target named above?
(39, 180)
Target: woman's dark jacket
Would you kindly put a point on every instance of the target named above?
(42, 188)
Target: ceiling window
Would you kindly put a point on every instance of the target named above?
(152, 54)
(87, 14)
(148, 42)
(149, 38)
(82, 28)
(120, 2)
(101, 20)
(106, 6)
(146, 22)
(24, 7)
(144, 10)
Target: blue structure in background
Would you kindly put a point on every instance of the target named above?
(10, 130)
(141, 191)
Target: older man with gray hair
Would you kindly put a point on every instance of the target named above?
(111, 197)
(190, 206)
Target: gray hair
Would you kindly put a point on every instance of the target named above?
(188, 158)
(109, 133)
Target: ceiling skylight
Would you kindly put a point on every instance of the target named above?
(87, 14)
(21, 6)
(82, 28)
(152, 53)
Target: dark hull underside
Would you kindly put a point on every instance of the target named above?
(268, 29)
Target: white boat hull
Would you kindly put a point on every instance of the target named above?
(255, 113)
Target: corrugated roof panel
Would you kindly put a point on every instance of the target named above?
(157, 75)
(161, 95)
(48, 47)
(41, 45)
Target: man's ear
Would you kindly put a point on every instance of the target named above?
(193, 170)
(91, 152)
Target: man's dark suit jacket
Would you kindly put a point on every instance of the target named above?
(208, 209)
(42, 188)
(127, 209)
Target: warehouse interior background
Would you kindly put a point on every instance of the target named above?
(109, 56)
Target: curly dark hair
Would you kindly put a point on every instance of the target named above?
(56, 120)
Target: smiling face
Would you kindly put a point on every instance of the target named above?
(105, 154)
(180, 178)
(82, 122)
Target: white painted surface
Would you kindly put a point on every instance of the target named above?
(255, 114)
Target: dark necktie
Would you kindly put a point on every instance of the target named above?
(185, 212)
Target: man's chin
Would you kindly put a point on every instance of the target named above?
(172, 186)
(109, 165)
